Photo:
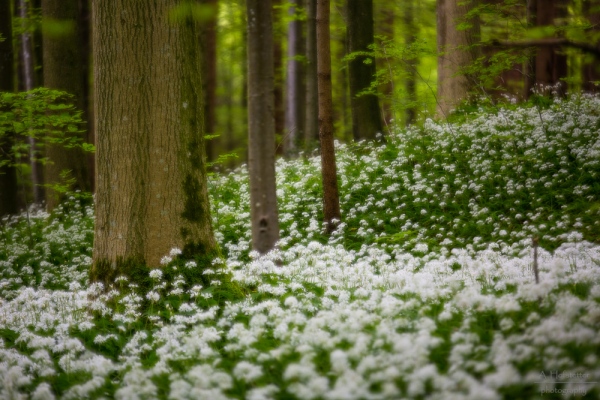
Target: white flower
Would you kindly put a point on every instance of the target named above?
(175, 252)
(165, 260)
(156, 273)
(247, 372)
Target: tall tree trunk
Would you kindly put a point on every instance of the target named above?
(279, 102)
(385, 28)
(311, 127)
(456, 51)
(151, 185)
(8, 173)
(261, 127)
(294, 82)
(591, 67)
(550, 64)
(28, 83)
(331, 197)
(529, 67)
(208, 46)
(366, 114)
(63, 70)
(410, 81)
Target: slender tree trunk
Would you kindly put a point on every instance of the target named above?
(261, 127)
(151, 194)
(529, 66)
(342, 115)
(591, 66)
(63, 70)
(8, 173)
(311, 127)
(28, 74)
(208, 46)
(550, 64)
(456, 52)
(385, 27)
(85, 38)
(366, 113)
(410, 81)
(278, 76)
(331, 198)
(294, 110)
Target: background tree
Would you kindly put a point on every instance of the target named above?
(278, 33)
(311, 125)
(8, 172)
(294, 82)
(331, 197)
(64, 70)
(457, 36)
(591, 64)
(27, 82)
(366, 114)
(151, 193)
(208, 46)
(261, 126)
(550, 61)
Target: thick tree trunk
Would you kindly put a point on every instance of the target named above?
(456, 51)
(331, 197)
(8, 173)
(151, 186)
(294, 82)
(311, 127)
(63, 70)
(366, 113)
(550, 64)
(208, 46)
(261, 127)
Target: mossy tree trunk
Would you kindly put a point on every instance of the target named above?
(331, 197)
(457, 50)
(64, 70)
(150, 163)
(8, 173)
(366, 113)
(261, 126)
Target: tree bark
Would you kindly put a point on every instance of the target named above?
(550, 64)
(366, 113)
(456, 51)
(294, 110)
(261, 127)
(331, 198)
(152, 192)
(63, 70)
(8, 173)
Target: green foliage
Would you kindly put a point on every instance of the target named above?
(46, 115)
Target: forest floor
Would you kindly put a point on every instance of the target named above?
(426, 290)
